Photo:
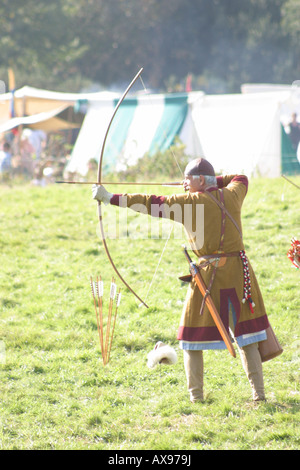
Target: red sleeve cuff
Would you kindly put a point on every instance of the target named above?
(115, 200)
(220, 181)
(241, 179)
(224, 181)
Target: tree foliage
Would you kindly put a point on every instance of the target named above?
(67, 44)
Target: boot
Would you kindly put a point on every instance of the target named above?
(252, 365)
(193, 364)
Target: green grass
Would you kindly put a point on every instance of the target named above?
(55, 392)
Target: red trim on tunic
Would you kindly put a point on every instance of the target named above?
(220, 181)
(225, 296)
(157, 206)
(115, 200)
(200, 334)
(245, 327)
(240, 178)
(205, 333)
(158, 200)
(252, 326)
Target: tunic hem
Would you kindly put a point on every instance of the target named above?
(243, 340)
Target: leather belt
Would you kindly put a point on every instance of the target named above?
(210, 259)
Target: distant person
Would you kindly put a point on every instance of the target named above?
(294, 131)
(5, 161)
(27, 153)
(37, 139)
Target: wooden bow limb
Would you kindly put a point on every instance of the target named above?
(99, 181)
(209, 302)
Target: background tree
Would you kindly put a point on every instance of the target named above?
(70, 44)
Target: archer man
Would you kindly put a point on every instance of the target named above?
(224, 267)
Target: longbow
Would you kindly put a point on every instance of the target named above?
(99, 178)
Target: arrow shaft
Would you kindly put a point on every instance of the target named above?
(175, 183)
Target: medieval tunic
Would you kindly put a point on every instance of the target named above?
(197, 329)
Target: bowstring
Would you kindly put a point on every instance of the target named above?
(159, 261)
(172, 226)
(172, 151)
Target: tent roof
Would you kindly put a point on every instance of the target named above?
(47, 121)
(35, 103)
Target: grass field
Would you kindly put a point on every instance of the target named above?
(55, 392)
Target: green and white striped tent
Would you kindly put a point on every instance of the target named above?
(238, 133)
(143, 124)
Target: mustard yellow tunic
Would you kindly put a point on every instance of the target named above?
(202, 218)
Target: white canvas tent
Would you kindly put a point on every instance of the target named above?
(241, 133)
(238, 133)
